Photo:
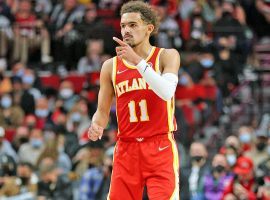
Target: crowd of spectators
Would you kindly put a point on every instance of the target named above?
(50, 57)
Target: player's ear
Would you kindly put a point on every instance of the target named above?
(150, 28)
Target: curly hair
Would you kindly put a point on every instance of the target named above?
(148, 14)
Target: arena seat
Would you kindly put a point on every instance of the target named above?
(105, 13)
(51, 80)
(78, 81)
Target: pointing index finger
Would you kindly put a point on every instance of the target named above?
(119, 41)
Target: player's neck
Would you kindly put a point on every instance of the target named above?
(143, 49)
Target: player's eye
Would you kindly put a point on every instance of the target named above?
(122, 26)
(132, 25)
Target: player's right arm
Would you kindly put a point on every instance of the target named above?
(105, 96)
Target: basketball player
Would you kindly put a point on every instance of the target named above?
(143, 79)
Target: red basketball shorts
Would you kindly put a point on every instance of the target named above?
(145, 161)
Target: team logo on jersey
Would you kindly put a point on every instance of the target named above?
(120, 72)
(150, 64)
(139, 139)
(131, 85)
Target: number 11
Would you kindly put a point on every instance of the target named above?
(132, 111)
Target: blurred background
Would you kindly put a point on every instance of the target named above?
(51, 52)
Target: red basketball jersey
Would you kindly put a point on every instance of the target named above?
(140, 112)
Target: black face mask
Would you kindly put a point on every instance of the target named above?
(24, 180)
(196, 158)
(31, 126)
(260, 146)
(23, 140)
(219, 169)
(226, 14)
(194, 15)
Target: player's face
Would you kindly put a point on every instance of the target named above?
(133, 29)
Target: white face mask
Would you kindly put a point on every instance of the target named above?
(43, 113)
(245, 138)
(231, 159)
(66, 93)
(6, 102)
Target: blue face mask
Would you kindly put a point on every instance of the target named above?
(36, 143)
(28, 80)
(76, 117)
(245, 138)
(6, 102)
(20, 73)
(231, 159)
(183, 80)
(41, 113)
(206, 63)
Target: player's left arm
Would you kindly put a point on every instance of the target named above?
(169, 61)
(164, 84)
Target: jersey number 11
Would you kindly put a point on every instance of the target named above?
(132, 111)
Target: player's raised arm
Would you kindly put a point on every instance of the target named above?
(106, 92)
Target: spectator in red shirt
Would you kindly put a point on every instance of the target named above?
(243, 185)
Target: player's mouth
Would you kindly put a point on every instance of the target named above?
(126, 37)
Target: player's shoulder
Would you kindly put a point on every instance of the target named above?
(169, 53)
(108, 63)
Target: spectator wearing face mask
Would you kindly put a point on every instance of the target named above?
(191, 178)
(30, 121)
(258, 152)
(23, 185)
(30, 151)
(264, 190)
(21, 136)
(245, 135)
(231, 156)
(31, 83)
(232, 141)
(42, 112)
(216, 181)
(22, 97)
(66, 93)
(11, 115)
(52, 184)
(78, 118)
(243, 185)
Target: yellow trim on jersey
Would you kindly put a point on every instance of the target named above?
(175, 194)
(114, 72)
(114, 82)
(157, 69)
(170, 115)
(115, 149)
(134, 67)
(173, 112)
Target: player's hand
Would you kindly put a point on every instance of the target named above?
(95, 132)
(124, 51)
